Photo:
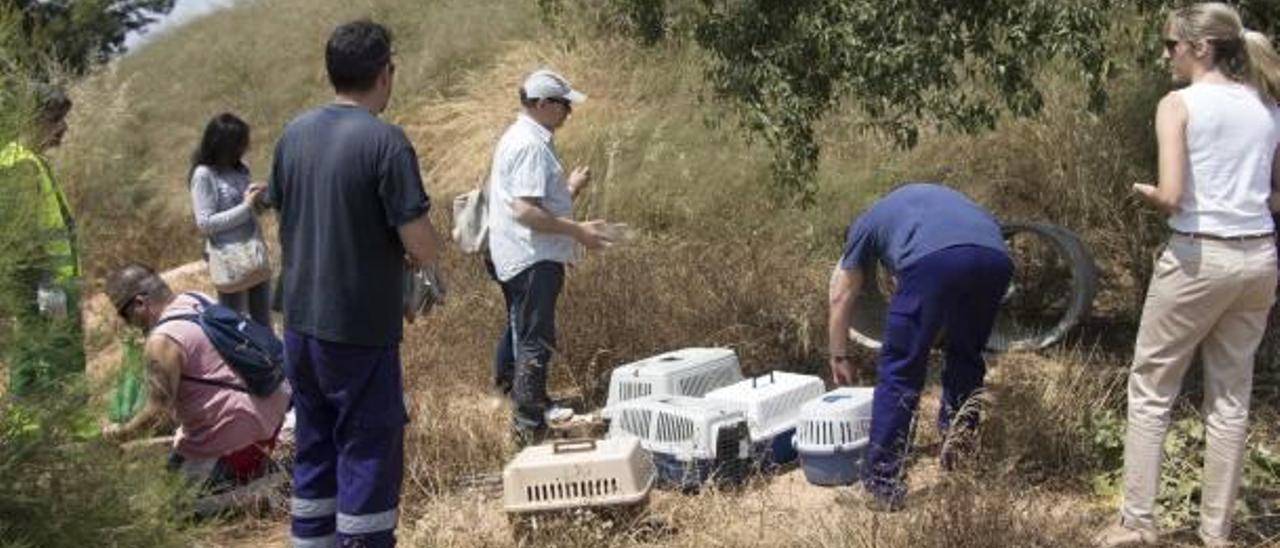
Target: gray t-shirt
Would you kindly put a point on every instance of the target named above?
(217, 200)
(344, 181)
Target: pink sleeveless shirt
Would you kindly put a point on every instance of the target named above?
(215, 421)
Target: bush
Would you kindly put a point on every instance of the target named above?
(1180, 480)
(59, 486)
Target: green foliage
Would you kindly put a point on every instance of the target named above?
(907, 65)
(1180, 479)
(958, 65)
(21, 256)
(76, 34)
(646, 19)
(61, 487)
(1261, 15)
(901, 61)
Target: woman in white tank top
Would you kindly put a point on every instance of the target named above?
(1214, 283)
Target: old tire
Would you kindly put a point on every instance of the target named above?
(1055, 281)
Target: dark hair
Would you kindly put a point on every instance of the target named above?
(356, 54)
(132, 281)
(225, 139)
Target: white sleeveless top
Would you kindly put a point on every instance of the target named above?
(1232, 137)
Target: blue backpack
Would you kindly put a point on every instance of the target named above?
(249, 348)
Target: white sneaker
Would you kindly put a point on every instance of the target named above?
(557, 414)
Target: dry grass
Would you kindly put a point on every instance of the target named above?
(713, 261)
(1074, 168)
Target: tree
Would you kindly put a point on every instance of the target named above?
(958, 64)
(955, 65)
(75, 34)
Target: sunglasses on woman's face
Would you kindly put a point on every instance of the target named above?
(1171, 45)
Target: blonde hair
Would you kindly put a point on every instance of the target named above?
(1245, 55)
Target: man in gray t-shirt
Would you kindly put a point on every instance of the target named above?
(352, 212)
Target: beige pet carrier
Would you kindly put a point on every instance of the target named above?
(565, 475)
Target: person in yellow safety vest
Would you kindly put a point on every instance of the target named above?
(57, 291)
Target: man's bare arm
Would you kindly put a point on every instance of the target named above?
(164, 361)
(421, 241)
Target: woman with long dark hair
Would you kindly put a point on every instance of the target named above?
(225, 202)
(1215, 281)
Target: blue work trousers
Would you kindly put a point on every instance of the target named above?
(349, 403)
(956, 290)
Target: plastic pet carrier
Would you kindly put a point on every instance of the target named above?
(573, 474)
(832, 435)
(689, 372)
(693, 440)
(772, 405)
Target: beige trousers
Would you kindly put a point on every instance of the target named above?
(1215, 296)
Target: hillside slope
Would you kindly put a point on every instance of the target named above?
(714, 261)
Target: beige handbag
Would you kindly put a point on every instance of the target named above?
(238, 266)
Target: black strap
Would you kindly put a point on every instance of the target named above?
(203, 301)
(219, 384)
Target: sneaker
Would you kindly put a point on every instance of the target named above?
(1119, 534)
(556, 414)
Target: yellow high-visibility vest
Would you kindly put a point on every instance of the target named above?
(56, 223)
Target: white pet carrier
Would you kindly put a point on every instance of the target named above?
(692, 439)
(572, 474)
(689, 372)
(832, 435)
(772, 405)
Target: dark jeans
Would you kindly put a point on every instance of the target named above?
(254, 302)
(527, 342)
(957, 289)
(504, 358)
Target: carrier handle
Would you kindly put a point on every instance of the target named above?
(754, 379)
(573, 446)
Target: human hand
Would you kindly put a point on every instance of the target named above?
(594, 235)
(842, 373)
(253, 194)
(1144, 190)
(111, 432)
(579, 179)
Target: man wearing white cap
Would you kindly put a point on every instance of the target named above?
(532, 235)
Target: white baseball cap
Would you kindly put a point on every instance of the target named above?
(545, 84)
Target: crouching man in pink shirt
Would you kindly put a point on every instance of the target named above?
(225, 434)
